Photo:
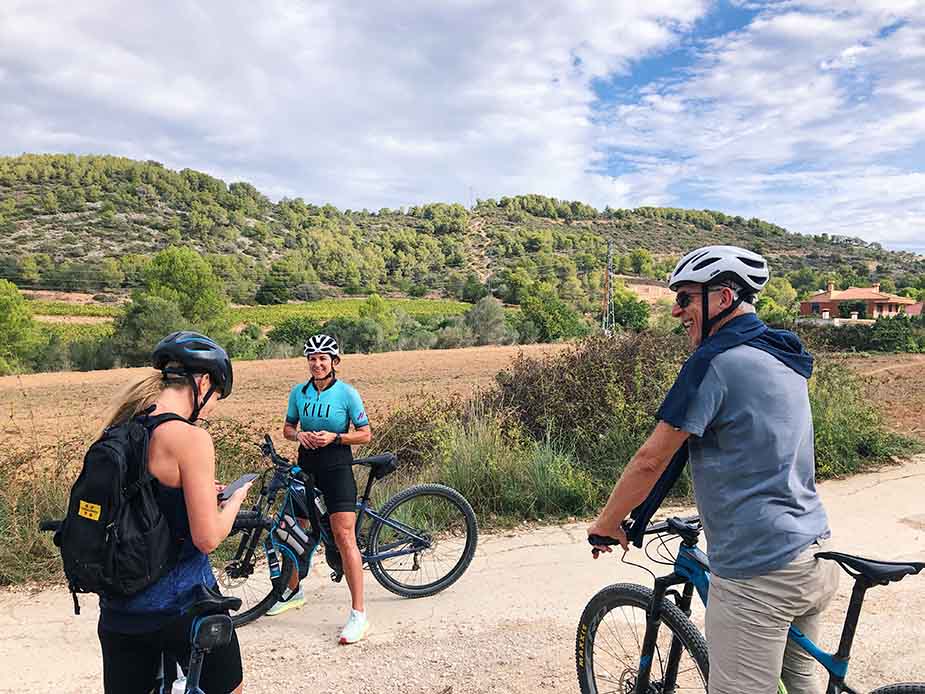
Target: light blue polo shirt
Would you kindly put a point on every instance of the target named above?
(330, 410)
(753, 463)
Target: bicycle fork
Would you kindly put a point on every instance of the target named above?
(653, 623)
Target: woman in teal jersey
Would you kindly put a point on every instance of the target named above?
(319, 416)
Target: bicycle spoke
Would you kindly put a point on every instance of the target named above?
(441, 525)
(617, 650)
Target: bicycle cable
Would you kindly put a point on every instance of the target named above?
(649, 571)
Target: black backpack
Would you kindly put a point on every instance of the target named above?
(115, 540)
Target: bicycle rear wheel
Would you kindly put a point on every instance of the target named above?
(905, 688)
(447, 532)
(608, 645)
(242, 570)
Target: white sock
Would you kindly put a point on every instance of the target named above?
(355, 613)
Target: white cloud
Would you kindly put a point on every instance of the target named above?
(809, 117)
(362, 104)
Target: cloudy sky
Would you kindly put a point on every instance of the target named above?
(808, 114)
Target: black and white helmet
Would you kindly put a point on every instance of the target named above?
(321, 344)
(716, 264)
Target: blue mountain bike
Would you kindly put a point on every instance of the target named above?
(418, 543)
(633, 640)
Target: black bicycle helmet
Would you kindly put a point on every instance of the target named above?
(196, 354)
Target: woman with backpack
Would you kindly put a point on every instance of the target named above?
(318, 417)
(192, 374)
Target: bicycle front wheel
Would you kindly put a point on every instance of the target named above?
(906, 688)
(431, 531)
(241, 568)
(608, 646)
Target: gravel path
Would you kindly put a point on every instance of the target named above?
(507, 626)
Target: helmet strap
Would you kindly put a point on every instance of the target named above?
(332, 375)
(707, 323)
(197, 404)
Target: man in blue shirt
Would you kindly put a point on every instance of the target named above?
(741, 405)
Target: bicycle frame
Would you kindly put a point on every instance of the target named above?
(363, 510)
(692, 571)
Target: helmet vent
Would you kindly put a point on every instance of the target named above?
(705, 263)
(757, 264)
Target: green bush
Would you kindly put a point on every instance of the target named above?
(597, 398)
(92, 353)
(295, 330)
(504, 476)
(850, 433)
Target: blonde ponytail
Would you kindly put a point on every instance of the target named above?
(133, 399)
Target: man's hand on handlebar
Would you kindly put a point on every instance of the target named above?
(603, 529)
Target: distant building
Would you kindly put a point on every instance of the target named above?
(915, 309)
(878, 304)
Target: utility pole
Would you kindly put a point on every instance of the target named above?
(608, 318)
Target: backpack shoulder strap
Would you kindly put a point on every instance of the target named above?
(152, 423)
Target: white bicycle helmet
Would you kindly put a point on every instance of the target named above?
(321, 344)
(716, 264)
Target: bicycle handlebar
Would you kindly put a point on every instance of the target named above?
(50, 525)
(674, 526)
(250, 519)
(269, 450)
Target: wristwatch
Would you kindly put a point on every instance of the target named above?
(337, 439)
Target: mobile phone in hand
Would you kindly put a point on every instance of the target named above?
(236, 485)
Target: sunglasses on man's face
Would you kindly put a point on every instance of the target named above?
(684, 299)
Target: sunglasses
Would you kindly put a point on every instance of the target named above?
(684, 299)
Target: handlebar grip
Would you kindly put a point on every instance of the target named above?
(600, 540)
(248, 523)
(50, 525)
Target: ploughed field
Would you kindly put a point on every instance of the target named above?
(57, 407)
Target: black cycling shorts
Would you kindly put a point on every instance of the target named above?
(332, 468)
(131, 661)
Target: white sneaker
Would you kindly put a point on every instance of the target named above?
(292, 601)
(355, 629)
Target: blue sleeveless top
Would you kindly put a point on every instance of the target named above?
(163, 601)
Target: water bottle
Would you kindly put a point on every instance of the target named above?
(273, 562)
(179, 684)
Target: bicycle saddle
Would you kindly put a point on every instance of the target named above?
(382, 464)
(876, 572)
(210, 601)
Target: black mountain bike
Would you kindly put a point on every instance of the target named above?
(418, 543)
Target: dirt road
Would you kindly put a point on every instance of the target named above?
(507, 627)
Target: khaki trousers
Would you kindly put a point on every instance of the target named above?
(747, 622)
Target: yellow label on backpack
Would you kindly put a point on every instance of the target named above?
(88, 510)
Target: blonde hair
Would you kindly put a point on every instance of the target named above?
(136, 397)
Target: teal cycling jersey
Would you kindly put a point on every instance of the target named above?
(330, 410)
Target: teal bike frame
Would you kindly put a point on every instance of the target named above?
(692, 572)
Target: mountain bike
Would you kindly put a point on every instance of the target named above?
(621, 645)
(212, 628)
(418, 543)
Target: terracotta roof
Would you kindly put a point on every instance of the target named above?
(860, 294)
(915, 309)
